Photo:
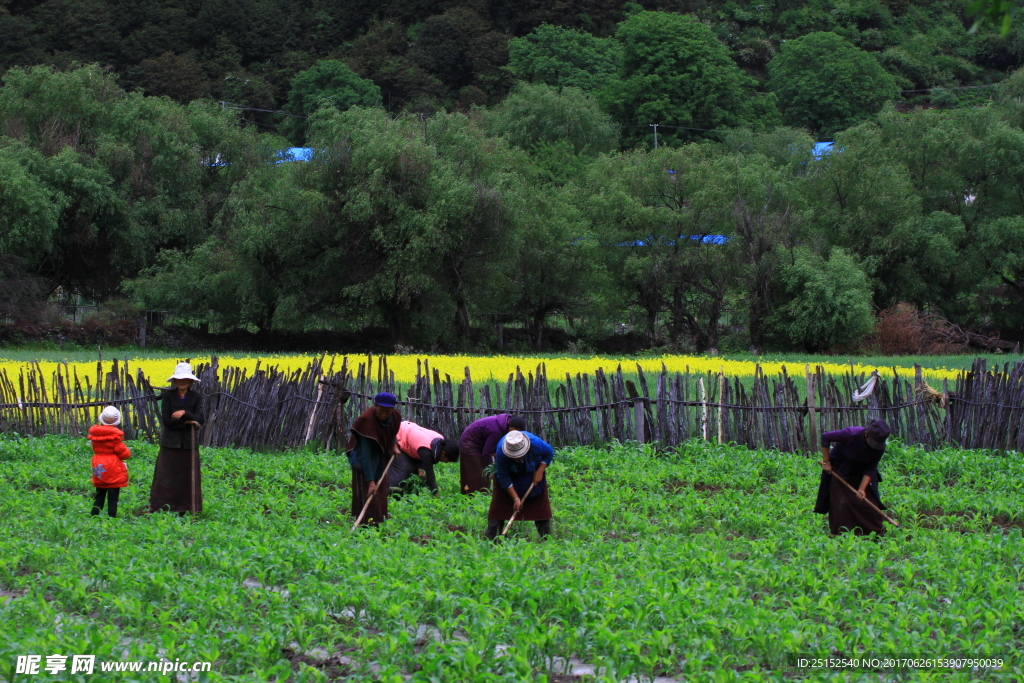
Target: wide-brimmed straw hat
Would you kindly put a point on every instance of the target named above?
(515, 444)
(110, 416)
(183, 371)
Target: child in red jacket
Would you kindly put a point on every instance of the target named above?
(109, 473)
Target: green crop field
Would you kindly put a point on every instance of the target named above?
(701, 564)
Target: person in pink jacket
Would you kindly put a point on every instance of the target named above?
(417, 450)
(109, 473)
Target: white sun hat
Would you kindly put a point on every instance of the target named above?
(516, 444)
(110, 416)
(183, 371)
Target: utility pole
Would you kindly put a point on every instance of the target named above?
(655, 127)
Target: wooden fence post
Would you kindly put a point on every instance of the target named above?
(312, 413)
(813, 431)
(721, 405)
(639, 417)
(638, 420)
(704, 408)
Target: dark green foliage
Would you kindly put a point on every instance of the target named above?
(380, 55)
(564, 57)
(455, 54)
(675, 72)
(461, 50)
(824, 301)
(533, 116)
(326, 83)
(98, 180)
(826, 84)
(469, 201)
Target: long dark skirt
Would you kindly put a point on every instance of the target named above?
(402, 468)
(378, 510)
(172, 482)
(533, 509)
(847, 512)
(471, 473)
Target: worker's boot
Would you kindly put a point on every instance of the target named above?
(493, 527)
(543, 528)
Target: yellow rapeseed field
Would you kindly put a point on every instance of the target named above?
(483, 368)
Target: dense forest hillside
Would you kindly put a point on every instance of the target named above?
(487, 174)
(456, 54)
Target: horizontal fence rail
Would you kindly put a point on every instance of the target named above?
(270, 409)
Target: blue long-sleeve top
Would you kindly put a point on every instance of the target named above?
(504, 466)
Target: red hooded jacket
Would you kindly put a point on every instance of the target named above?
(108, 452)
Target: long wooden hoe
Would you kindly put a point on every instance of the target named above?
(525, 496)
(369, 498)
(854, 491)
(195, 474)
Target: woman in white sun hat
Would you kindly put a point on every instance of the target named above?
(522, 459)
(181, 412)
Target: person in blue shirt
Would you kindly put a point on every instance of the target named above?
(522, 458)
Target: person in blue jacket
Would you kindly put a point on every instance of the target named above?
(522, 458)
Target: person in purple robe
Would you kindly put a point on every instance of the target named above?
(477, 447)
(854, 456)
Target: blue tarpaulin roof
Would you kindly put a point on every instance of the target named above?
(703, 239)
(295, 154)
(820, 149)
(284, 155)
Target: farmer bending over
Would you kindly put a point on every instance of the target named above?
(854, 457)
(522, 459)
(478, 445)
(416, 450)
(372, 436)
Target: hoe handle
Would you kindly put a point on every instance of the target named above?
(369, 498)
(875, 507)
(195, 473)
(521, 504)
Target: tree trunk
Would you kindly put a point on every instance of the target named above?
(652, 328)
(399, 325)
(756, 328)
(461, 318)
(142, 331)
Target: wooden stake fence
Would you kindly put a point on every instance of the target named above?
(272, 410)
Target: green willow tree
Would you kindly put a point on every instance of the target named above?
(825, 302)
(663, 215)
(826, 84)
(108, 178)
(677, 73)
(381, 227)
(536, 115)
(561, 57)
(914, 198)
(326, 83)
